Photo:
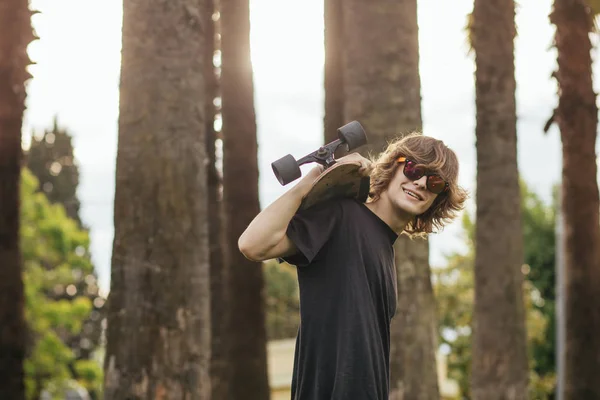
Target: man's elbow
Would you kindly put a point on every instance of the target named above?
(249, 251)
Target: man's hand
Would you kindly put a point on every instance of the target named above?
(307, 180)
(365, 169)
(365, 164)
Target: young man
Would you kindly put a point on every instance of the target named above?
(343, 250)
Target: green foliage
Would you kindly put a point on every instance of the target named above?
(540, 254)
(52, 161)
(55, 255)
(282, 302)
(454, 287)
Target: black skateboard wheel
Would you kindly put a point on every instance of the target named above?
(286, 169)
(353, 135)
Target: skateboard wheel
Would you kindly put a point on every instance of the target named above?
(353, 134)
(286, 169)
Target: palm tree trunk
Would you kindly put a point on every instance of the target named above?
(15, 36)
(158, 336)
(240, 195)
(577, 118)
(334, 71)
(499, 369)
(382, 90)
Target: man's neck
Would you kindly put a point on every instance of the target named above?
(394, 218)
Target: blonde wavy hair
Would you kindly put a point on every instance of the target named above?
(433, 155)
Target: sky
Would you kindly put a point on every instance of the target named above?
(76, 78)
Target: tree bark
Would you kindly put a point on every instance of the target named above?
(158, 336)
(15, 36)
(577, 118)
(499, 369)
(382, 90)
(334, 72)
(415, 327)
(240, 196)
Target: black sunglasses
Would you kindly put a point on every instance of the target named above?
(435, 183)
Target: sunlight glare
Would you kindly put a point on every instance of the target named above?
(286, 42)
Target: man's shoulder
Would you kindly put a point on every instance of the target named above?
(348, 207)
(350, 203)
(353, 213)
(355, 208)
(343, 204)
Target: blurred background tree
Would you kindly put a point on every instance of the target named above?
(247, 334)
(454, 288)
(52, 161)
(15, 36)
(50, 158)
(59, 311)
(577, 118)
(499, 340)
(158, 309)
(539, 236)
(219, 295)
(282, 303)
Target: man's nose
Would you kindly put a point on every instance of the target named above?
(421, 182)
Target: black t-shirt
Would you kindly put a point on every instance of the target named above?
(347, 283)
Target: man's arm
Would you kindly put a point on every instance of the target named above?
(265, 237)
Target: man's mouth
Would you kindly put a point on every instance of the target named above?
(412, 194)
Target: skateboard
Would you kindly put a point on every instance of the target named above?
(338, 179)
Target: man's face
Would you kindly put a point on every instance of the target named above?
(411, 197)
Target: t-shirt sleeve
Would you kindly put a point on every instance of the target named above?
(310, 230)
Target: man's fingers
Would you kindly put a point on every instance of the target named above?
(363, 168)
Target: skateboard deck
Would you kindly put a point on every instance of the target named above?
(338, 181)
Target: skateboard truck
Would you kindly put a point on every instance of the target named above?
(287, 168)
